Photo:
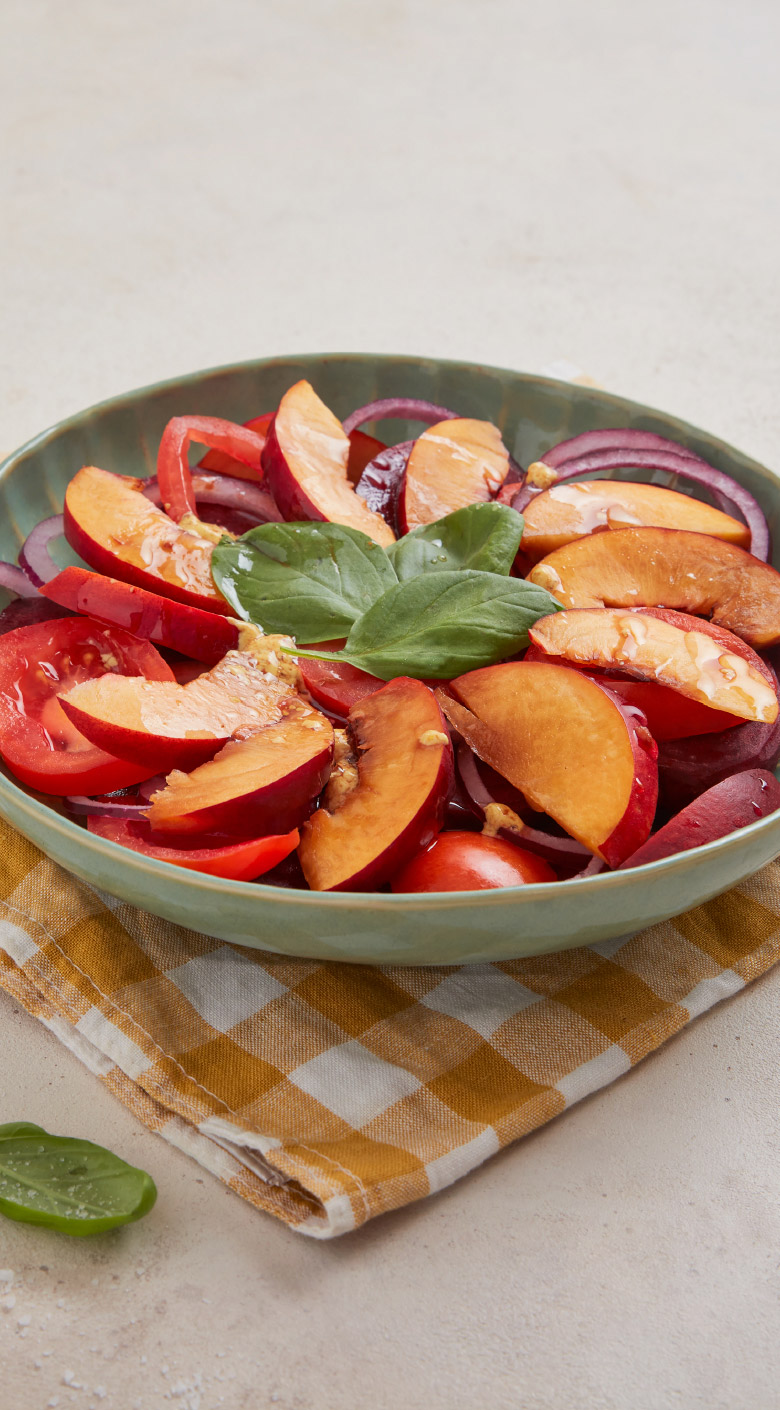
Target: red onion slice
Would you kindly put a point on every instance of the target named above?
(15, 580)
(401, 409)
(226, 492)
(618, 438)
(380, 483)
(104, 808)
(34, 555)
(642, 450)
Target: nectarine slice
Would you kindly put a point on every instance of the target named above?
(404, 772)
(729, 805)
(703, 662)
(570, 511)
(264, 783)
(166, 725)
(570, 746)
(452, 464)
(119, 532)
(674, 568)
(306, 460)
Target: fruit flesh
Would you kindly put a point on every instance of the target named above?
(708, 666)
(673, 568)
(404, 764)
(119, 532)
(569, 511)
(165, 723)
(568, 745)
(306, 461)
(452, 464)
(266, 782)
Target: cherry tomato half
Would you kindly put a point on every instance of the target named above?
(238, 861)
(38, 663)
(468, 861)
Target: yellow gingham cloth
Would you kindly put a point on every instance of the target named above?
(329, 1093)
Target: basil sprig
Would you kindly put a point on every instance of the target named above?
(483, 537)
(311, 580)
(437, 603)
(67, 1184)
(441, 624)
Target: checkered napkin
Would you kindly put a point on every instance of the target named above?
(329, 1093)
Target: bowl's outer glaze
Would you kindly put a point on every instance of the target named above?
(460, 927)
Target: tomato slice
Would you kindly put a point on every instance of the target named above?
(174, 477)
(238, 861)
(37, 740)
(221, 463)
(469, 861)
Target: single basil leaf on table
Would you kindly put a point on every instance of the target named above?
(309, 580)
(441, 624)
(484, 537)
(68, 1184)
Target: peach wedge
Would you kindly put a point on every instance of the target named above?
(404, 772)
(570, 511)
(266, 783)
(166, 725)
(674, 568)
(703, 662)
(452, 464)
(570, 746)
(119, 532)
(306, 459)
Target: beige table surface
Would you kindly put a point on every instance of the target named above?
(187, 183)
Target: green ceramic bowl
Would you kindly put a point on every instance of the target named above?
(446, 928)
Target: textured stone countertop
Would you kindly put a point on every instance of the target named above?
(187, 184)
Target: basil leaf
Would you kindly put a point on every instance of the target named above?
(484, 537)
(68, 1184)
(441, 624)
(309, 580)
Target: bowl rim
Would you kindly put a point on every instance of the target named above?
(663, 868)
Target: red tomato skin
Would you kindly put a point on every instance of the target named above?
(238, 861)
(219, 463)
(37, 741)
(173, 468)
(469, 861)
(334, 684)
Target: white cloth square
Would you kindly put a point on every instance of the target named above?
(481, 996)
(225, 987)
(353, 1082)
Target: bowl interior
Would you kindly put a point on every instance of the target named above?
(532, 413)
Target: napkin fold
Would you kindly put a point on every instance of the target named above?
(328, 1093)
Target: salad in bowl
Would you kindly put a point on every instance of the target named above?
(336, 664)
